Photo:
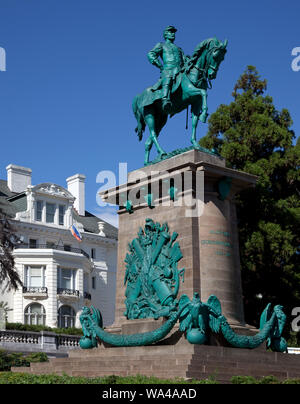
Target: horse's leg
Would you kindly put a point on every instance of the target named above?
(148, 147)
(204, 113)
(196, 107)
(199, 106)
(149, 119)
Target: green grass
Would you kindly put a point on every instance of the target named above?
(263, 380)
(24, 378)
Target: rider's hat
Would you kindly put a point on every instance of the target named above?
(170, 28)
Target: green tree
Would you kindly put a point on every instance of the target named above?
(255, 137)
(5, 307)
(9, 277)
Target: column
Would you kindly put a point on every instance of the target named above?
(51, 284)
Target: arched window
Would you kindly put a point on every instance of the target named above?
(66, 317)
(35, 314)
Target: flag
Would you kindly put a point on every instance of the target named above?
(75, 232)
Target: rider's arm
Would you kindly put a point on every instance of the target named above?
(154, 55)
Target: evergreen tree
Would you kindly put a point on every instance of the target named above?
(9, 277)
(255, 137)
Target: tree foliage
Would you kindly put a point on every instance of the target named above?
(9, 277)
(253, 136)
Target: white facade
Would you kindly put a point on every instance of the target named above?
(60, 275)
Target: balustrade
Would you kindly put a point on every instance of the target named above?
(68, 292)
(37, 341)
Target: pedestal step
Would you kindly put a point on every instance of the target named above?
(198, 362)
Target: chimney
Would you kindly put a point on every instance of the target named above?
(76, 186)
(18, 178)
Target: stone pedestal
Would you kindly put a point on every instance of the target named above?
(194, 193)
(170, 361)
(202, 212)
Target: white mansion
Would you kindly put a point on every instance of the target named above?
(60, 275)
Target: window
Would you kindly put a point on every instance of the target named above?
(93, 253)
(66, 278)
(67, 247)
(50, 244)
(66, 317)
(61, 215)
(50, 212)
(34, 276)
(32, 243)
(35, 314)
(94, 282)
(39, 211)
(85, 283)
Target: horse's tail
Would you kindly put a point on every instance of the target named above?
(139, 117)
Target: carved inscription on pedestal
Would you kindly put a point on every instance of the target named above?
(224, 246)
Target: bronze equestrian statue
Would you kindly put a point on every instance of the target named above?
(184, 81)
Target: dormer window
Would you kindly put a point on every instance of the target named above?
(50, 212)
(61, 215)
(39, 211)
(52, 204)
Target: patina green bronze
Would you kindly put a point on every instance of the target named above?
(198, 320)
(152, 282)
(152, 278)
(224, 187)
(184, 81)
(93, 330)
(176, 152)
(129, 207)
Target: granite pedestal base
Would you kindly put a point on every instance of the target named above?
(172, 361)
(194, 193)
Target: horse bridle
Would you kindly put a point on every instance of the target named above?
(205, 71)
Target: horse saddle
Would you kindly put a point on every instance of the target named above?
(176, 83)
(154, 93)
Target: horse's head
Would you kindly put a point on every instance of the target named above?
(214, 56)
(207, 57)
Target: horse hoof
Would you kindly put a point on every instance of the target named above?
(162, 155)
(196, 145)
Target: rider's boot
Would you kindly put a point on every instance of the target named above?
(166, 102)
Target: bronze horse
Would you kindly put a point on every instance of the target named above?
(189, 88)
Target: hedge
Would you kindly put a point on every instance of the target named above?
(38, 328)
(25, 378)
(7, 360)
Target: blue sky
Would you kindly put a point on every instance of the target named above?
(74, 66)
